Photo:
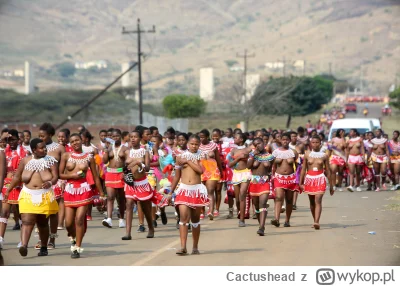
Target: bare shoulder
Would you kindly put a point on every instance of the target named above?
(65, 156)
(61, 148)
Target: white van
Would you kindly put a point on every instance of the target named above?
(376, 123)
(361, 124)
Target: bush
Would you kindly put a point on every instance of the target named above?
(66, 69)
(183, 106)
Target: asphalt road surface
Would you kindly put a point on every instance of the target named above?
(374, 111)
(343, 239)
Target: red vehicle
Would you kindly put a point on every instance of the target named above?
(350, 107)
(386, 111)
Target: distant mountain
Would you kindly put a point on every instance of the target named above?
(336, 35)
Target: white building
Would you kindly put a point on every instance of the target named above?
(125, 80)
(274, 65)
(207, 84)
(101, 64)
(252, 81)
(29, 79)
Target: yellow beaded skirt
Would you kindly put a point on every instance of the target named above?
(37, 202)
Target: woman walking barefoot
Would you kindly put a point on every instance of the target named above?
(284, 179)
(212, 165)
(191, 195)
(78, 194)
(37, 202)
(260, 162)
(313, 180)
(355, 159)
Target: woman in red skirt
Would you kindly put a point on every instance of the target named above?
(78, 194)
(138, 163)
(191, 195)
(260, 162)
(63, 139)
(14, 154)
(284, 179)
(313, 180)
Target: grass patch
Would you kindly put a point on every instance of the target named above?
(394, 206)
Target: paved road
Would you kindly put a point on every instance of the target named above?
(343, 239)
(374, 110)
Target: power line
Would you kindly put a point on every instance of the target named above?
(83, 107)
(138, 31)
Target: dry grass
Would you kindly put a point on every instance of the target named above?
(394, 206)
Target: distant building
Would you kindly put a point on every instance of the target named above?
(299, 64)
(207, 84)
(101, 64)
(274, 65)
(19, 73)
(125, 80)
(252, 81)
(236, 68)
(29, 79)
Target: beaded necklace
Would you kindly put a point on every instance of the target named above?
(378, 141)
(192, 156)
(53, 146)
(38, 165)
(263, 157)
(316, 155)
(283, 154)
(137, 153)
(116, 152)
(80, 158)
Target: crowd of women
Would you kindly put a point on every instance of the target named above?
(55, 185)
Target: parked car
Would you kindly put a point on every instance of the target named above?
(350, 107)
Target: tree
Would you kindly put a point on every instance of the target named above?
(294, 96)
(395, 98)
(183, 106)
(66, 69)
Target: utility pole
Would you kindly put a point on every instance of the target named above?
(304, 68)
(138, 31)
(245, 56)
(330, 68)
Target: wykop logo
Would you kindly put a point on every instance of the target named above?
(325, 276)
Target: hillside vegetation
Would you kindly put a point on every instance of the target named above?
(345, 34)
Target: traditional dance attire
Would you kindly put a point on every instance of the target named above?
(114, 176)
(78, 192)
(141, 189)
(41, 201)
(379, 158)
(287, 182)
(315, 180)
(394, 147)
(211, 172)
(13, 158)
(302, 140)
(260, 185)
(192, 196)
(338, 157)
(356, 159)
(368, 170)
(58, 188)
